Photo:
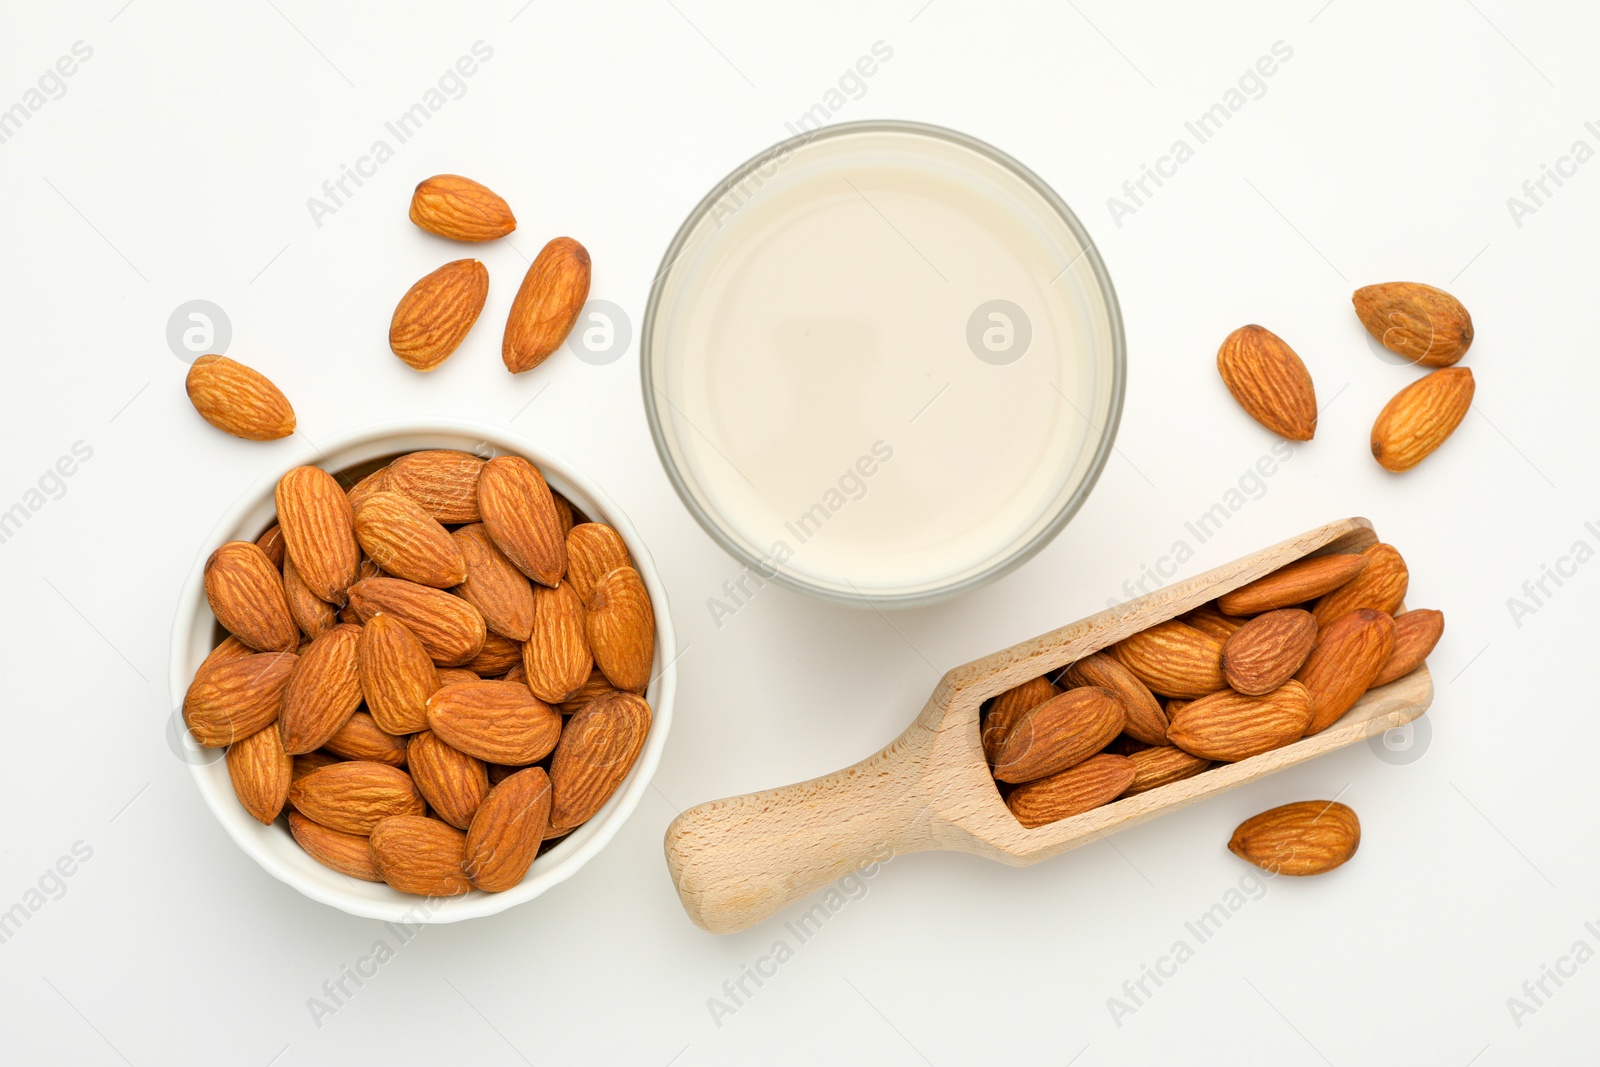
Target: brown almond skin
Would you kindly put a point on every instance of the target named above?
(271, 542)
(260, 770)
(360, 738)
(1061, 732)
(556, 660)
(498, 655)
(1303, 838)
(500, 592)
(1420, 417)
(1084, 787)
(1350, 652)
(1415, 635)
(420, 855)
(1421, 323)
(598, 747)
(323, 692)
(397, 677)
(376, 482)
(598, 685)
(1213, 622)
(230, 648)
(1173, 659)
(319, 531)
(349, 854)
(232, 699)
(1162, 765)
(461, 209)
(1146, 721)
(457, 675)
(552, 295)
(496, 721)
(1003, 712)
(593, 551)
(453, 782)
(520, 516)
(443, 480)
(355, 796)
(246, 595)
(435, 315)
(449, 628)
(313, 616)
(505, 833)
(1269, 381)
(621, 627)
(1294, 583)
(1381, 585)
(313, 761)
(1229, 726)
(1266, 651)
(407, 542)
(238, 400)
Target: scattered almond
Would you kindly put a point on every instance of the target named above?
(436, 313)
(238, 400)
(1306, 837)
(1420, 416)
(552, 295)
(461, 209)
(1269, 381)
(1423, 324)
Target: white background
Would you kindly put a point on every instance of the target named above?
(177, 166)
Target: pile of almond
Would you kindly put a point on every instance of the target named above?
(1258, 668)
(438, 670)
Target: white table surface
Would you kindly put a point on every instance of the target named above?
(177, 164)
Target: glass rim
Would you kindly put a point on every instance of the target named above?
(998, 567)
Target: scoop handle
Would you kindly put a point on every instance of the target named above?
(738, 861)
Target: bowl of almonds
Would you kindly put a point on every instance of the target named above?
(436, 661)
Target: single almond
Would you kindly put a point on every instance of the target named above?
(407, 542)
(621, 627)
(1267, 650)
(1229, 726)
(246, 595)
(498, 655)
(1146, 721)
(1063, 731)
(598, 747)
(593, 551)
(556, 660)
(312, 615)
(1423, 324)
(1004, 711)
(443, 480)
(499, 722)
(453, 782)
(1380, 585)
(493, 585)
(519, 514)
(1415, 634)
(420, 855)
(449, 628)
(1161, 765)
(271, 543)
(505, 833)
(461, 209)
(1295, 583)
(238, 400)
(319, 531)
(232, 699)
(1350, 652)
(397, 676)
(355, 796)
(547, 304)
(1173, 659)
(349, 854)
(1306, 837)
(1269, 381)
(1084, 787)
(361, 738)
(1419, 418)
(260, 769)
(323, 692)
(434, 316)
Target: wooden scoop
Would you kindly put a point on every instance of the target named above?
(739, 860)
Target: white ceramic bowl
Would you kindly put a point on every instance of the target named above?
(194, 634)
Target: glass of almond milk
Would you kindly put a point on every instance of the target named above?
(883, 363)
